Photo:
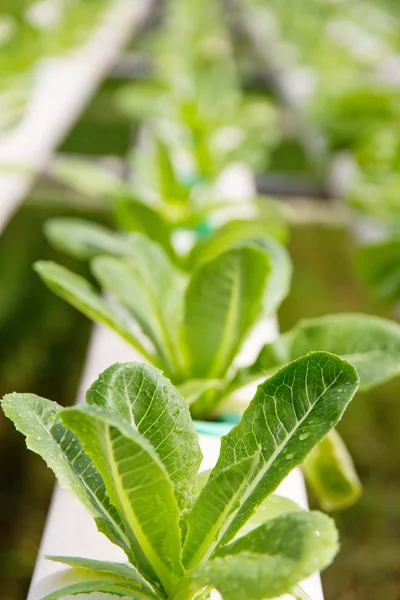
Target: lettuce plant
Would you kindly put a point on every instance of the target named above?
(194, 99)
(364, 120)
(131, 456)
(370, 343)
(191, 327)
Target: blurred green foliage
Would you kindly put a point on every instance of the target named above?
(194, 102)
(339, 64)
(30, 32)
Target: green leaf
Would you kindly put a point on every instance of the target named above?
(193, 389)
(299, 594)
(84, 581)
(231, 234)
(330, 472)
(137, 484)
(370, 343)
(202, 478)
(121, 570)
(167, 182)
(271, 507)
(379, 268)
(278, 285)
(218, 498)
(142, 396)
(85, 239)
(151, 289)
(270, 560)
(138, 100)
(237, 233)
(97, 586)
(223, 302)
(297, 535)
(38, 420)
(133, 215)
(86, 177)
(76, 290)
(290, 413)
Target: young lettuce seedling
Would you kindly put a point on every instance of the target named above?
(195, 96)
(131, 456)
(192, 329)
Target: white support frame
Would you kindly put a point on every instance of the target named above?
(63, 89)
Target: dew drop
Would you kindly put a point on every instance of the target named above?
(165, 389)
(304, 436)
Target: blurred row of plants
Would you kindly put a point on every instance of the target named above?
(339, 64)
(336, 64)
(32, 33)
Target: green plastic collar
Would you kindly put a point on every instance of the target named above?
(217, 428)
